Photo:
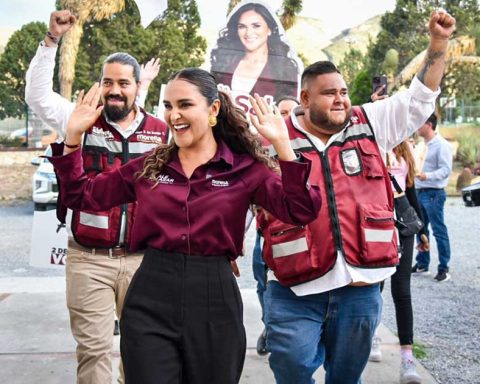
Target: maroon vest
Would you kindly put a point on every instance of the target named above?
(103, 150)
(356, 217)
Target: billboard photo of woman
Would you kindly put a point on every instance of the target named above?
(252, 55)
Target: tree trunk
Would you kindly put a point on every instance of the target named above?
(68, 59)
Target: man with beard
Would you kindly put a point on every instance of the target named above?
(99, 265)
(322, 302)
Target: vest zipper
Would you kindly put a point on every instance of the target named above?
(379, 219)
(124, 207)
(332, 205)
(279, 233)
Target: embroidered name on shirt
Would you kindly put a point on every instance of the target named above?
(165, 179)
(220, 183)
(100, 132)
(149, 139)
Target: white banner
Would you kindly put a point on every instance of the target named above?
(150, 9)
(48, 247)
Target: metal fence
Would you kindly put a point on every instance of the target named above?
(461, 113)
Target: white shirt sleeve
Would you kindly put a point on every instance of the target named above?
(51, 107)
(395, 118)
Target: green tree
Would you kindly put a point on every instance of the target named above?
(14, 62)
(403, 30)
(351, 65)
(361, 88)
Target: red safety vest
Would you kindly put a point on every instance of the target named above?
(356, 217)
(104, 149)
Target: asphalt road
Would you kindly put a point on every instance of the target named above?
(447, 315)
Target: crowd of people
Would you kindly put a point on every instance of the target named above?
(157, 208)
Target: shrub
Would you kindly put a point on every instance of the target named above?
(468, 147)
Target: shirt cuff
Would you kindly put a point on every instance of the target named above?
(67, 167)
(298, 170)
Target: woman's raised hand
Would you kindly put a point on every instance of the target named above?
(267, 120)
(270, 124)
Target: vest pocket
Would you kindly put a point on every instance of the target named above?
(94, 229)
(286, 250)
(372, 162)
(378, 240)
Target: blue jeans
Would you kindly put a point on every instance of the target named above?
(333, 328)
(432, 202)
(259, 270)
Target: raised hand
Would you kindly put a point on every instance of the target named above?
(61, 22)
(149, 70)
(271, 125)
(375, 97)
(86, 112)
(441, 24)
(267, 120)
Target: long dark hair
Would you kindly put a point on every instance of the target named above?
(229, 45)
(232, 126)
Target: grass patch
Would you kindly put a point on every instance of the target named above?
(419, 351)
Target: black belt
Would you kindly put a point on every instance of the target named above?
(429, 189)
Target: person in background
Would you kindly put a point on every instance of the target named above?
(100, 264)
(323, 302)
(430, 185)
(182, 317)
(251, 57)
(285, 106)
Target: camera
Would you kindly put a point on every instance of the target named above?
(377, 82)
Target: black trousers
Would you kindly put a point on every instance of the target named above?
(401, 294)
(182, 322)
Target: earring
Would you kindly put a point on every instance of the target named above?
(212, 120)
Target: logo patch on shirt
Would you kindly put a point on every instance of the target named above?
(351, 161)
(100, 132)
(220, 183)
(165, 179)
(157, 139)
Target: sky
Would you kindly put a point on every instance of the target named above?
(335, 15)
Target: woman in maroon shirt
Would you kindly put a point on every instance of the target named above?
(182, 317)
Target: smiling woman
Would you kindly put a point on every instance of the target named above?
(252, 56)
(192, 198)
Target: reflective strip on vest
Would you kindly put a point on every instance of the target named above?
(116, 146)
(94, 221)
(379, 235)
(356, 130)
(296, 144)
(289, 248)
(99, 141)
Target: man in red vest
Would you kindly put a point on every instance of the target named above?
(99, 265)
(322, 302)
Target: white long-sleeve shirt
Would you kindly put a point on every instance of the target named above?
(392, 120)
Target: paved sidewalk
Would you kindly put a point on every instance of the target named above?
(36, 345)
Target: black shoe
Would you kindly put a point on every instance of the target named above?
(262, 344)
(116, 328)
(420, 270)
(442, 276)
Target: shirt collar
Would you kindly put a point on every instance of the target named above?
(139, 116)
(224, 155)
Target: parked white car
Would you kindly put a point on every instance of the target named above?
(44, 183)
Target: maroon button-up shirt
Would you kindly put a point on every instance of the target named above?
(203, 215)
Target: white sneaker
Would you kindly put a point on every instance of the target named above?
(375, 351)
(408, 373)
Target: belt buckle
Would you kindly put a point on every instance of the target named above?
(111, 255)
